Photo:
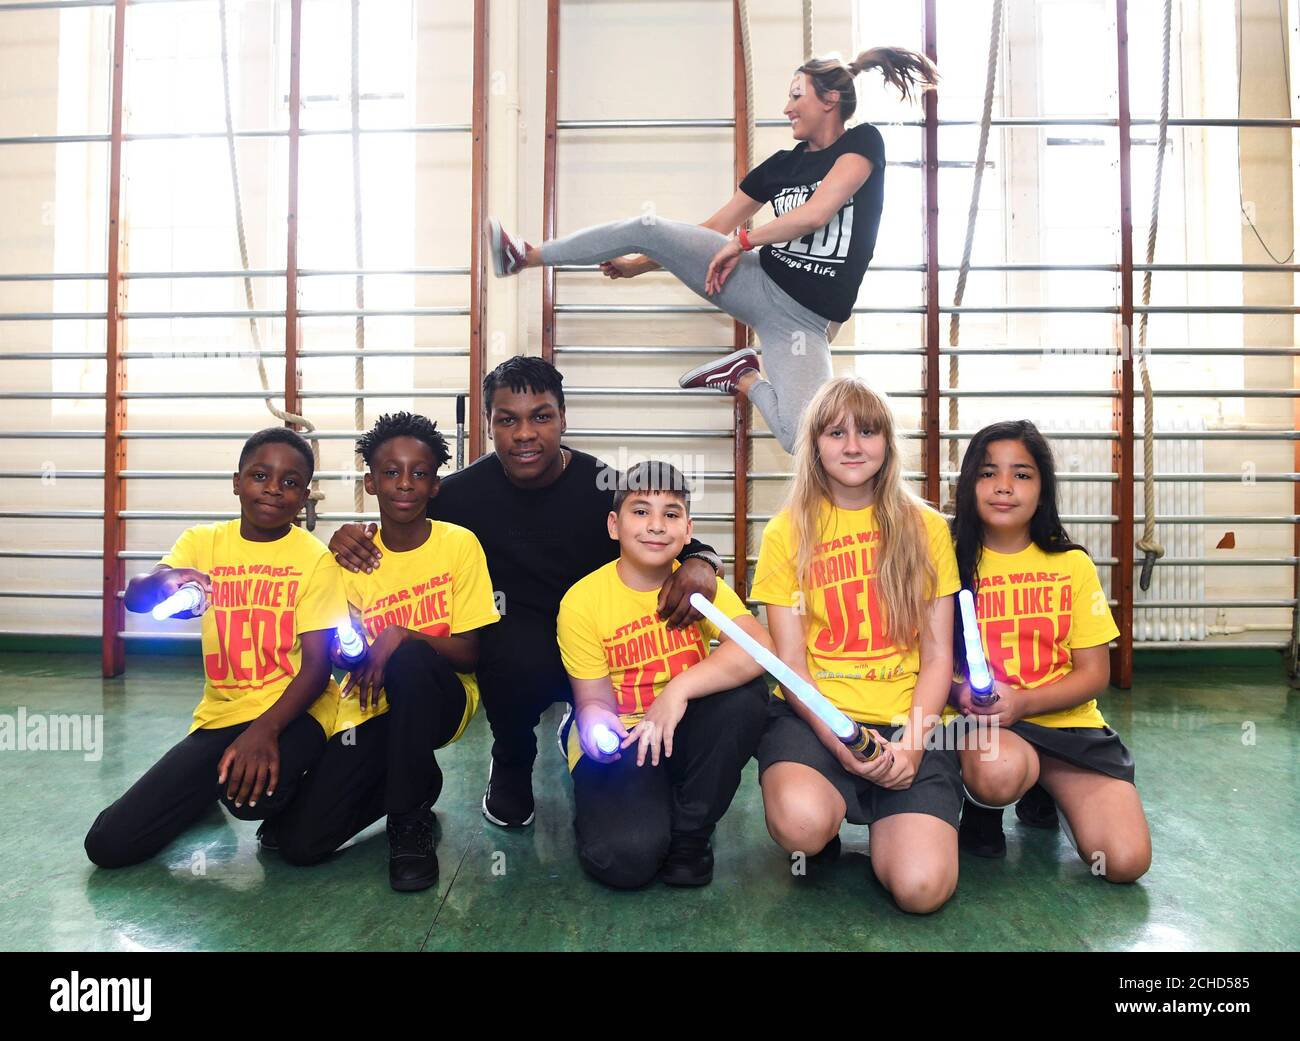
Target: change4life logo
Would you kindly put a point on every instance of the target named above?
(92, 994)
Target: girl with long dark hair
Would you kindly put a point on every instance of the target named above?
(1045, 624)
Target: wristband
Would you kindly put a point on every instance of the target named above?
(745, 244)
(712, 559)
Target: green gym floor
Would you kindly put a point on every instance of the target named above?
(1224, 813)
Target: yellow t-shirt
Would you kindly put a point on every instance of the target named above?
(265, 595)
(606, 628)
(439, 588)
(852, 660)
(1033, 609)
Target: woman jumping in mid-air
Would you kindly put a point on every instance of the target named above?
(796, 289)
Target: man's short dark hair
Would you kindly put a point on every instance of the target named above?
(279, 436)
(404, 424)
(652, 476)
(521, 373)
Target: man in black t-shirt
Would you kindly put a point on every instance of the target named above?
(539, 510)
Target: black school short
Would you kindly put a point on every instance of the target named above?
(1092, 748)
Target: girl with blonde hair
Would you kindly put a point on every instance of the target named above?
(858, 574)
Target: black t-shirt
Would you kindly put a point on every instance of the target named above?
(822, 270)
(538, 541)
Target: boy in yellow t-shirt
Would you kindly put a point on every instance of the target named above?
(661, 728)
(420, 611)
(271, 598)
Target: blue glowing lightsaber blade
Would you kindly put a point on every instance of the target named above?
(977, 666)
(186, 600)
(851, 732)
(605, 739)
(351, 646)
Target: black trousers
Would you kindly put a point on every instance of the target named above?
(628, 814)
(182, 786)
(383, 766)
(520, 675)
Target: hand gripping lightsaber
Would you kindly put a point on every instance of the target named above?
(351, 647)
(977, 666)
(605, 739)
(852, 733)
(188, 599)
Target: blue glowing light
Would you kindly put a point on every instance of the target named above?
(186, 600)
(841, 725)
(351, 646)
(605, 739)
(977, 666)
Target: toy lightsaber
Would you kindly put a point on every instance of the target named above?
(351, 647)
(851, 732)
(460, 431)
(188, 599)
(977, 666)
(605, 739)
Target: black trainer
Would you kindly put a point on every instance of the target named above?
(266, 838)
(412, 851)
(1038, 809)
(508, 801)
(689, 862)
(981, 831)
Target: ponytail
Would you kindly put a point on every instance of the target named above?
(911, 73)
(906, 70)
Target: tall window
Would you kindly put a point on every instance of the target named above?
(1050, 195)
(180, 198)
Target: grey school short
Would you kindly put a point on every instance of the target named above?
(935, 790)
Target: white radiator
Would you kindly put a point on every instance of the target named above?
(1179, 582)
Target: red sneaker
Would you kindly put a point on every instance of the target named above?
(508, 253)
(722, 374)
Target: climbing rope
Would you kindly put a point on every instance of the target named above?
(807, 30)
(359, 366)
(954, 323)
(748, 54)
(1149, 545)
(309, 428)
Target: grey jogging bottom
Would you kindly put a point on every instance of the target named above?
(796, 353)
